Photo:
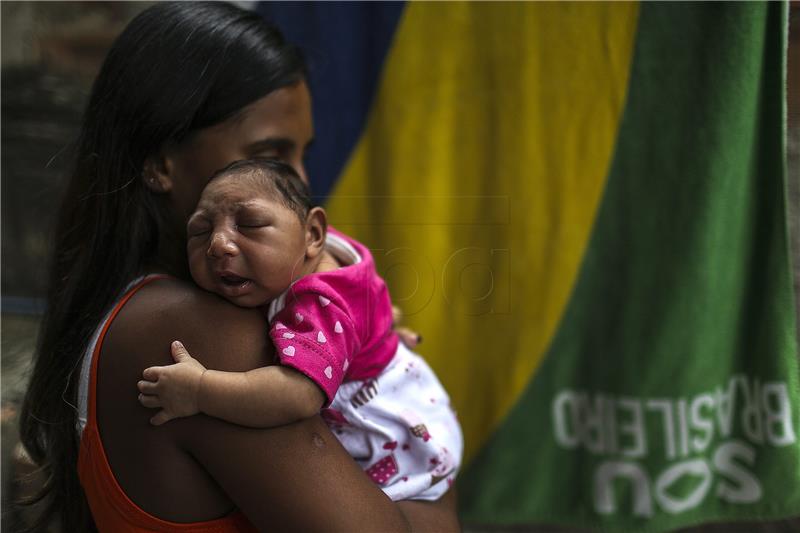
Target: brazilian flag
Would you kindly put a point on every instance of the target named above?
(581, 207)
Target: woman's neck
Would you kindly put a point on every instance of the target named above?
(170, 259)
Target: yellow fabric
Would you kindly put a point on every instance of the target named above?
(477, 180)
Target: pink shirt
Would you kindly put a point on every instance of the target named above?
(336, 326)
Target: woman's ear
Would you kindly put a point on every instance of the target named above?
(316, 230)
(157, 174)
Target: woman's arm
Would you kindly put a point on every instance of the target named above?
(295, 477)
(432, 516)
(291, 477)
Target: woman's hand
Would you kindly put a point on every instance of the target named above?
(407, 336)
(174, 388)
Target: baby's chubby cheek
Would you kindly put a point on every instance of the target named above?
(198, 268)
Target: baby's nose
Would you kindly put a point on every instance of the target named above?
(221, 245)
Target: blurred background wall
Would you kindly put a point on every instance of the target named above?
(50, 54)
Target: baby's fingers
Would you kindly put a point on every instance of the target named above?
(148, 400)
(179, 352)
(152, 373)
(161, 417)
(147, 387)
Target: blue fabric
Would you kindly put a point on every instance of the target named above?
(345, 45)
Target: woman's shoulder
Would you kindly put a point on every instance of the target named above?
(168, 309)
(166, 294)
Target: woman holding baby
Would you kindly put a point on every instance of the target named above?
(187, 89)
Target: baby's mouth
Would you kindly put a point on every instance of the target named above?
(231, 280)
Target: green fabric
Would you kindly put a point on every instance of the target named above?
(683, 305)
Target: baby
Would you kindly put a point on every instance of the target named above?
(256, 239)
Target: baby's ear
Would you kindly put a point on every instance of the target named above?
(316, 230)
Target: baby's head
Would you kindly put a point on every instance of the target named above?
(254, 231)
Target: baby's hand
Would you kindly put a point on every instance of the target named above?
(174, 388)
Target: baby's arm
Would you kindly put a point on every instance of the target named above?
(264, 397)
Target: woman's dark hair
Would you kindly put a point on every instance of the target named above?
(176, 68)
(276, 178)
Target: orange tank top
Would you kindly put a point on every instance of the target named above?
(111, 508)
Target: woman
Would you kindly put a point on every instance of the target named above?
(186, 89)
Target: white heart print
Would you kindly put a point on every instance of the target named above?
(337, 327)
(288, 335)
(298, 317)
(346, 364)
(321, 338)
(289, 350)
(279, 326)
(328, 372)
(324, 301)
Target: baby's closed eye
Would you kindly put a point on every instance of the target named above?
(252, 224)
(198, 228)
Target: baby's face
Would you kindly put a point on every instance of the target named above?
(243, 244)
